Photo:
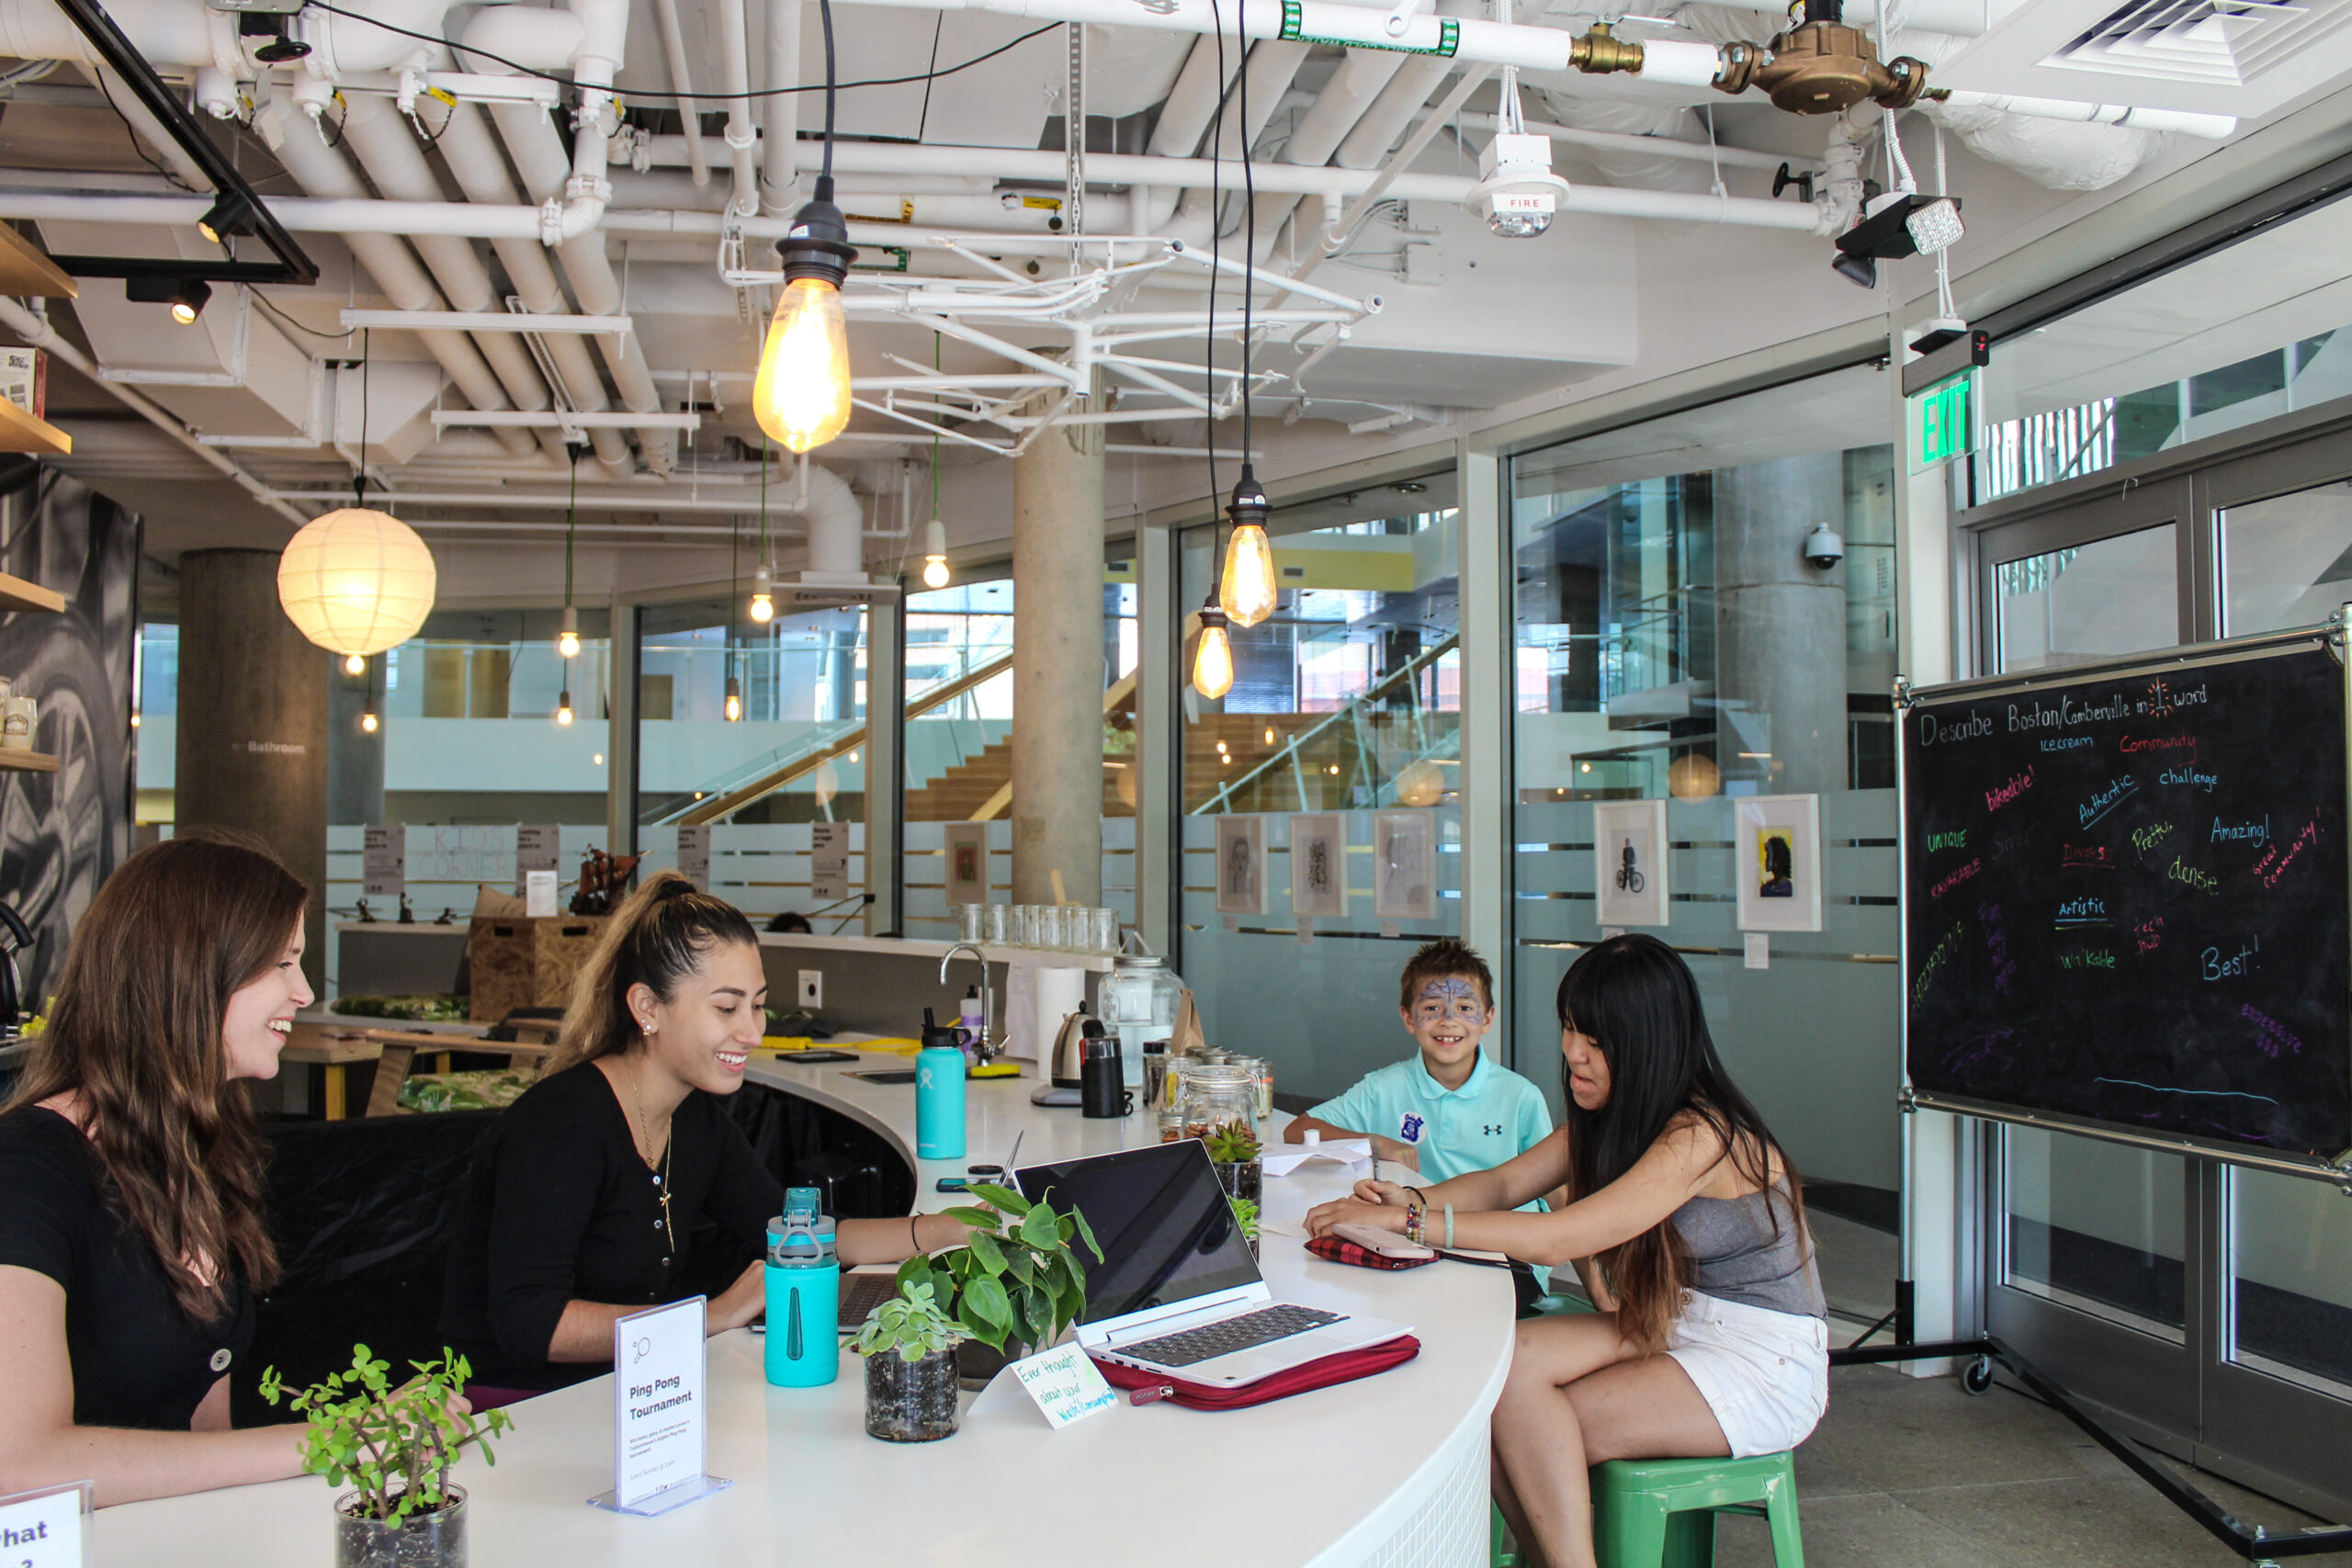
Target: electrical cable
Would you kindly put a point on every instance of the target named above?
(259, 298)
(99, 75)
(359, 471)
(699, 97)
(1249, 236)
(1216, 233)
(570, 521)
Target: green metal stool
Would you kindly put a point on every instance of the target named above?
(1660, 1513)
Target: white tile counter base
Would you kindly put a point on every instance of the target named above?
(1387, 1473)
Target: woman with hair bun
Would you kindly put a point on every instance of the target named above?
(131, 1239)
(618, 1181)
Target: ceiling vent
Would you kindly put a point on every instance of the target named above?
(2226, 43)
(2232, 57)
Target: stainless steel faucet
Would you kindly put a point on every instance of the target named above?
(990, 1050)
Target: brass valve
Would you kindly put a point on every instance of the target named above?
(1823, 67)
(1601, 51)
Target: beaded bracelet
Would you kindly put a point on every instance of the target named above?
(1413, 1224)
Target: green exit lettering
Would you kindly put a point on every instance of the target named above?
(1940, 422)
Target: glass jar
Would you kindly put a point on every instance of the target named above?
(970, 922)
(1049, 926)
(1139, 999)
(1215, 1094)
(996, 926)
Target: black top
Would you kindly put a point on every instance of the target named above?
(559, 1207)
(139, 1359)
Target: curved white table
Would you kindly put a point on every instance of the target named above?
(1390, 1471)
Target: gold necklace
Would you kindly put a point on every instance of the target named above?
(662, 1171)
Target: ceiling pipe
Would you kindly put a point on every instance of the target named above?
(1185, 118)
(682, 83)
(1648, 146)
(1346, 97)
(1270, 67)
(735, 49)
(836, 522)
(479, 169)
(780, 112)
(1393, 110)
(37, 333)
(321, 169)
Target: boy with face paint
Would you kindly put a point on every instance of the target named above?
(1447, 1109)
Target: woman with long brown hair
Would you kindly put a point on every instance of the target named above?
(1687, 1224)
(131, 1239)
(618, 1181)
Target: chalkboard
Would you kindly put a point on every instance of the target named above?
(2125, 900)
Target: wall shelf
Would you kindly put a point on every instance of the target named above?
(24, 269)
(16, 594)
(20, 432)
(27, 761)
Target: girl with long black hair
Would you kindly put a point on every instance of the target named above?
(1686, 1223)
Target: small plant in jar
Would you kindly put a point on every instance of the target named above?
(909, 1344)
(1234, 1150)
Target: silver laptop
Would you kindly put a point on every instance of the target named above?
(1176, 1289)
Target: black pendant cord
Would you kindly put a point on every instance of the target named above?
(763, 498)
(1250, 240)
(825, 176)
(1216, 205)
(571, 522)
(359, 469)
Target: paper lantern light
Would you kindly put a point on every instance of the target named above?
(357, 581)
(1421, 784)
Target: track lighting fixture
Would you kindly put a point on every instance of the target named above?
(233, 215)
(185, 296)
(1899, 223)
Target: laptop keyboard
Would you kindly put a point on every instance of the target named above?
(1251, 1329)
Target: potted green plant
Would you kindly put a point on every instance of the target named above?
(1234, 1150)
(910, 1349)
(1245, 1214)
(395, 1446)
(1015, 1285)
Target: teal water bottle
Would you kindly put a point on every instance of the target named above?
(804, 1282)
(939, 1103)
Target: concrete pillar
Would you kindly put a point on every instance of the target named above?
(1057, 666)
(252, 722)
(354, 758)
(1780, 627)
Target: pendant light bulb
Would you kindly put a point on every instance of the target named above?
(567, 641)
(367, 722)
(355, 664)
(763, 596)
(1213, 658)
(563, 708)
(800, 396)
(935, 554)
(734, 700)
(1246, 590)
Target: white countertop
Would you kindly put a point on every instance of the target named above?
(1329, 1477)
(926, 947)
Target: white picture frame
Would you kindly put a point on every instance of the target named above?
(1240, 865)
(1319, 865)
(1776, 862)
(968, 864)
(1404, 858)
(1631, 887)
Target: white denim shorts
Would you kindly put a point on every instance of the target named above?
(1764, 1374)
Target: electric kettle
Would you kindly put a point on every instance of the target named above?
(1067, 1065)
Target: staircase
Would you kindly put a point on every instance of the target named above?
(963, 789)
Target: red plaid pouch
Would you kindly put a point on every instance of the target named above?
(1337, 1249)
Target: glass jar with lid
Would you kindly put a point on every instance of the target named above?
(1139, 999)
(1217, 1093)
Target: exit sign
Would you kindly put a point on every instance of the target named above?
(1940, 422)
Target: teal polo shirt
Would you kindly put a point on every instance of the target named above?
(1494, 1116)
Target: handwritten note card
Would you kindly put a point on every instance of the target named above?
(1065, 1385)
(43, 1529)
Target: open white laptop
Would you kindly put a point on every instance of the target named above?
(1176, 1289)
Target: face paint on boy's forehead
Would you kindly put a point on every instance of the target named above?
(1447, 989)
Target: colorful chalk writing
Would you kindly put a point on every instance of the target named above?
(1996, 946)
(2096, 959)
(2189, 876)
(1953, 840)
(2214, 965)
(1997, 799)
(2106, 798)
(1936, 961)
(2240, 833)
(1955, 879)
(2083, 912)
(2086, 857)
(2148, 837)
(2067, 742)
(2149, 933)
(2189, 778)
(2270, 1034)
(2133, 745)
(2269, 872)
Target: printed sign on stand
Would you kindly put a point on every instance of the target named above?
(829, 862)
(693, 855)
(661, 1426)
(1066, 1385)
(43, 1528)
(384, 861)
(537, 847)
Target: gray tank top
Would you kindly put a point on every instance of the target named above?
(1737, 1256)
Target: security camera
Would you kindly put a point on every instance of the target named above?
(1823, 548)
(1517, 192)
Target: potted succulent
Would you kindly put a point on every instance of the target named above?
(1234, 1150)
(395, 1446)
(910, 1349)
(1245, 1214)
(1015, 1285)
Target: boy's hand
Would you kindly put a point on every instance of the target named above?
(1391, 1152)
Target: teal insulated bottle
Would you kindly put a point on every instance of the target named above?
(804, 1283)
(939, 1103)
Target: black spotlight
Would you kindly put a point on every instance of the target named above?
(185, 296)
(270, 25)
(1897, 224)
(231, 215)
(1855, 269)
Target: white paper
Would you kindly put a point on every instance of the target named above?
(538, 895)
(1065, 1385)
(43, 1529)
(537, 847)
(828, 862)
(384, 861)
(1281, 1159)
(693, 855)
(1759, 950)
(659, 1429)
(1306, 929)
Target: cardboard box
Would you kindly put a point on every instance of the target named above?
(519, 962)
(24, 380)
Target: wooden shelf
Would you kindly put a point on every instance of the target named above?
(27, 761)
(25, 270)
(16, 594)
(20, 432)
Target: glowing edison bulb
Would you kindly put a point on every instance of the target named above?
(367, 722)
(763, 598)
(355, 664)
(1247, 591)
(563, 708)
(567, 642)
(935, 554)
(801, 394)
(1213, 660)
(734, 700)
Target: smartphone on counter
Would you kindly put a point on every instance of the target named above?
(952, 1184)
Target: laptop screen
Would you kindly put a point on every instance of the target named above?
(1165, 1227)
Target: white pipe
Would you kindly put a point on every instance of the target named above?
(780, 112)
(1269, 71)
(321, 169)
(343, 44)
(36, 333)
(387, 150)
(145, 128)
(836, 522)
(1183, 121)
(1350, 91)
(735, 48)
(170, 32)
(682, 83)
(1650, 146)
(1366, 146)
(2210, 127)
(481, 171)
(575, 203)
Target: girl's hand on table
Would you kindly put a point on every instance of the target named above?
(1385, 1210)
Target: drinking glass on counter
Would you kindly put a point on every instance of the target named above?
(1106, 930)
(972, 922)
(1024, 925)
(996, 925)
(1049, 926)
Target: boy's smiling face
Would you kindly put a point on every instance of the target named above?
(1448, 1017)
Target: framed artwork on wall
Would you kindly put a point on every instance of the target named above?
(1776, 862)
(1319, 865)
(1240, 865)
(968, 864)
(1405, 867)
(1629, 857)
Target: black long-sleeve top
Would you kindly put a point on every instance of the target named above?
(559, 1207)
